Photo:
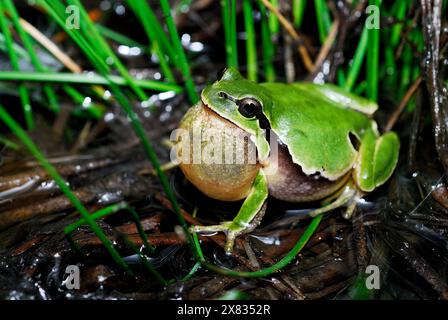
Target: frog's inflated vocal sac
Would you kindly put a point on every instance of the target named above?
(328, 147)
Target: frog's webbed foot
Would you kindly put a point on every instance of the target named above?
(348, 197)
(230, 229)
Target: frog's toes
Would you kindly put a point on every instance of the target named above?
(222, 227)
(231, 236)
(352, 204)
(349, 198)
(230, 229)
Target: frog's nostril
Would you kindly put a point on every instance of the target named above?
(226, 96)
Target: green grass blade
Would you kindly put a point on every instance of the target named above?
(274, 24)
(232, 57)
(111, 210)
(233, 33)
(57, 12)
(360, 88)
(185, 69)
(267, 271)
(76, 36)
(340, 75)
(373, 55)
(228, 8)
(23, 91)
(390, 68)
(159, 33)
(9, 143)
(298, 10)
(138, 128)
(86, 78)
(357, 61)
(102, 43)
(406, 70)
(51, 95)
(62, 184)
(148, 265)
(142, 10)
(226, 27)
(135, 122)
(323, 19)
(400, 12)
(192, 272)
(268, 46)
(26, 104)
(119, 37)
(251, 49)
(20, 52)
(94, 110)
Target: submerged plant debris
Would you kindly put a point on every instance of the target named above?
(89, 98)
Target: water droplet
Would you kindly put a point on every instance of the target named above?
(184, 8)
(87, 102)
(196, 47)
(105, 5)
(319, 78)
(166, 95)
(107, 95)
(129, 51)
(109, 117)
(109, 61)
(110, 197)
(154, 58)
(47, 185)
(326, 67)
(145, 104)
(185, 39)
(120, 9)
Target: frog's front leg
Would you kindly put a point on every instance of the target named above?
(248, 217)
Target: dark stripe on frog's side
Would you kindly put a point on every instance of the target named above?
(289, 183)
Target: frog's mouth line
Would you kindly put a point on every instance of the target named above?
(263, 121)
(215, 114)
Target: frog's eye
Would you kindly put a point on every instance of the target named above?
(249, 107)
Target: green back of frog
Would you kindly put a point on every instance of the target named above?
(315, 128)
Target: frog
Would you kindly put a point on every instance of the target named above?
(328, 148)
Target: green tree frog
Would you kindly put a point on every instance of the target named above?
(328, 147)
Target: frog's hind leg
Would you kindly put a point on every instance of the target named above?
(248, 217)
(348, 197)
(376, 161)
